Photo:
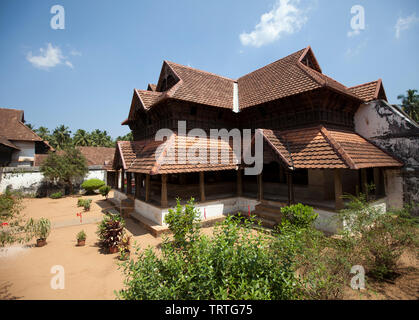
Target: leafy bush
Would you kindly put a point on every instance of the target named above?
(39, 228)
(12, 225)
(85, 203)
(378, 238)
(299, 215)
(104, 191)
(183, 222)
(56, 195)
(81, 235)
(236, 263)
(92, 184)
(110, 231)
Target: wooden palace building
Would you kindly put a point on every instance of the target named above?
(311, 152)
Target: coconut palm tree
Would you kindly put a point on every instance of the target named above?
(82, 138)
(410, 103)
(61, 137)
(44, 133)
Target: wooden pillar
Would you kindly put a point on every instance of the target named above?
(115, 179)
(147, 188)
(377, 182)
(138, 185)
(202, 186)
(260, 187)
(123, 180)
(364, 181)
(163, 202)
(129, 183)
(290, 186)
(338, 189)
(239, 183)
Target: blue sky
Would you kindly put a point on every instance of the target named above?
(85, 76)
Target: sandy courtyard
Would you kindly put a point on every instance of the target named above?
(25, 271)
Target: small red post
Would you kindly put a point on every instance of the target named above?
(205, 214)
(248, 207)
(80, 215)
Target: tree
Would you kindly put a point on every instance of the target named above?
(82, 138)
(30, 126)
(127, 137)
(61, 137)
(65, 168)
(44, 133)
(410, 103)
(101, 139)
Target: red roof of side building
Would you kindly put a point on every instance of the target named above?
(12, 126)
(370, 91)
(323, 148)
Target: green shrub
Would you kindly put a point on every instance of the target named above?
(85, 203)
(81, 235)
(56, 195)
(92, 184)
(12, 228)
(235, 263)
(183, 222)
(299, 215)
(378, 238)
(39, 228)
(104, 191)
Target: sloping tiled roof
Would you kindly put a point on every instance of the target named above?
(148, 98)
(140, 156)
(283, 78)
(368, 91)
(12, 127)
(151, 87)
(95, 156)
(202, 87)
(321, 148)
(7, 143)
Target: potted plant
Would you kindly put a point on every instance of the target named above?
(41, 230)
(110, 232)
(124, 248)
(81, 238)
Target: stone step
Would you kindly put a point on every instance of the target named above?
(268, 208)
(266, 222)
(268, 215)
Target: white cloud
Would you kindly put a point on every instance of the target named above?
(405, 23)
(49, 57)
(74, 52)
(284, 18)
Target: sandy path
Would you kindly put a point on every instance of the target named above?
(25, 271)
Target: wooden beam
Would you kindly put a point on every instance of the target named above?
(123, 180)
(338, 189)
(260, 187)
(239, 183)
(202, 186)
(377, 181)
(147, 188)
(290, 186)
(364, 181)
(129, 183)
(163, 202)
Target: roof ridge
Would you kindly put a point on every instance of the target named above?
(199, 70)
(338, 148)
(364, 84)
(294, 53)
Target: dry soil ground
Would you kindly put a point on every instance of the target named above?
(25, 270)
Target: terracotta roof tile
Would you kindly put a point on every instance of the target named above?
(12, 127)
(140, 156)
(202, 87)
(322, 148)
(7, 143)
(368, 91)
